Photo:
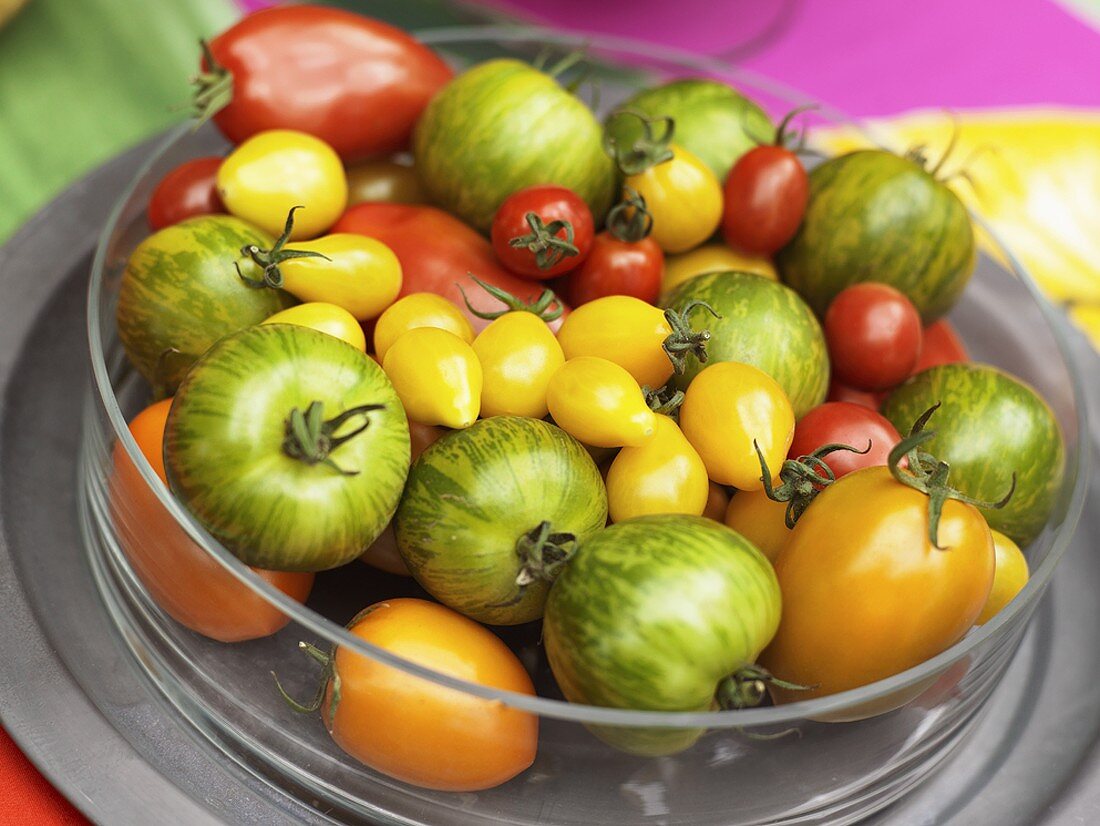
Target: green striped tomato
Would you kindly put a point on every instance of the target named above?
(473, 506)
(654, 613)
(990, 425)
(503, 126)
(875, 216)
(272, 498)
(763, 323)
(181, 292)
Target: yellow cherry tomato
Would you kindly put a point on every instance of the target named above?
(328, 318)
(684, 198)
(518, 355)
(623, 330)
(1010, 575)
(665, 475)
(419, 310)
(385, 181)
(716, 257)
(597, 402)
(717, 502)
(271, 172)
(760, 520)
(437, 377)
(727, 408)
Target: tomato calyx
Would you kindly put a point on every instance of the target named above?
(544, 243)
(629, 220)
(747, 686)
(269, 260)
(929, 475)
(648, 150)
(684, 339)
(664, 401)
(801, 479)
(328, 675)
(547, 306)
(311, 439)
(793, 140)
(542, 552)
(213, 87)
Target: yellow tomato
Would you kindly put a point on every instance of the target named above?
(385, 181)
(597, 402)
(1010, 575)
(665, 475)
(760, 520)
(518, 355)
(716, 257)
(727, 408)
(623, 330)
(437, 377)
(419, 310)
(684, 198)
(717, 502)
(268, 174)
(328, 318)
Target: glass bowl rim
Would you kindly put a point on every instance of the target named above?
(562, 709)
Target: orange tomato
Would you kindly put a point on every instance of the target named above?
(717, 500)
(760, 520)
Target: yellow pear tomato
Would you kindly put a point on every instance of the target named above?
(731, 408)
(419, 310)
(716, 257)
(327, 318)
(384, 181)
(760, 520)
(272, 172)
(437, 377)
(665, 475)
(599, 403)
(1010, 575)
(360, 274)
(684, 198)
(518, 355)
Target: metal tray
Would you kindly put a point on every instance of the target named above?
(77, 704)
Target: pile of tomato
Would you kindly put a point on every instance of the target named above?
(647, 380)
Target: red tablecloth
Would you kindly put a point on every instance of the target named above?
(26, 797)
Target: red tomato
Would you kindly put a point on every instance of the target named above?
(188, 190)
(553, 224)
(840, 392)
(940, 345)
(765, 198)
(356, 83)
(845, 423)
(437, 252)
(874, 336)
(616, 267)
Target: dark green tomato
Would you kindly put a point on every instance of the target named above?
(468, 523)
(714, 122)
(654, 613)
(277, 501)
(875, 216)
(503, 126)
(989, 425)
(181, 292)
(763, 323)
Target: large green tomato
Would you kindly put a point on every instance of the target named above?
(655, 613)
(490, 512)
(289, 446)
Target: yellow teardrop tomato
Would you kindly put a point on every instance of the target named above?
(760, 520)
(384, 181)
(684, 198)
(715, 257)
(1010, 575)
(717, 502)
(621, 329)
(437, 377)
(361, 275)
(665, 475)
(328, 318)
(271, 172)
(728, 407)
(419, 310)
(597, 402)
(518, 355)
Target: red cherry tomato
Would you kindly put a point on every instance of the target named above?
(765, 198)
(186, 191)
(874, 336)
(542, 231)
(840, 392)
(356, 83)
(846, 424)
(616, 267)
(940, 344)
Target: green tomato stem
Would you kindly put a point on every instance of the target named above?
(311, 439)
(649, 150)
(213, 88)
(547, 306)
(801, 479)
(683, 339)
(629, 220)
(543, 241)
(269, 260)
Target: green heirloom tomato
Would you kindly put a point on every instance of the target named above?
(763, 323)
(657, 613)
(503, 126)
(491, 512)
(989, 426)
(289, 446)
(181, 292)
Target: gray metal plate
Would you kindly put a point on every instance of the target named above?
(76, 703)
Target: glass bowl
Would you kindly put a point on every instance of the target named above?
(797, 763)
